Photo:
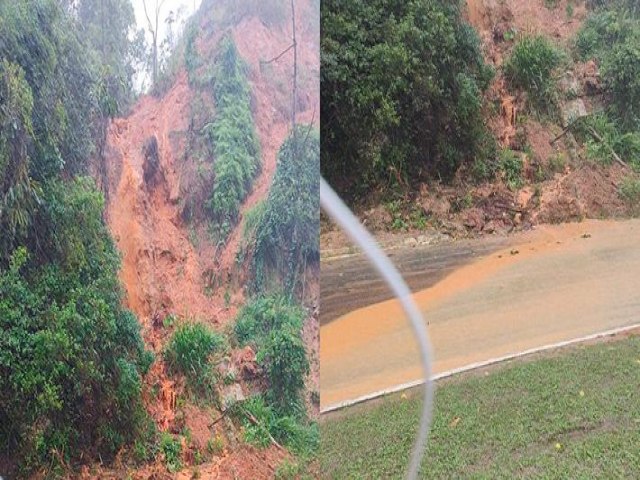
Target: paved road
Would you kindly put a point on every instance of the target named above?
(550, 285)
(349, 283)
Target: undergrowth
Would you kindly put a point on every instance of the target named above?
(629, 191)
(286, 227)
(189, 352)
(531, 68)
(611, 36)
(233, 136)
(603, 139)
(272, 325)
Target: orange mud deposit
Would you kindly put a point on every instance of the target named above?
(553, 284)
(161, 270)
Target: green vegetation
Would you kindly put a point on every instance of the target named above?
(531, 67)
(189, 352)
(379, 129)
(611, 36)
(108, 27)
(232, 133)
(71, 358)
(266, 422)
(272, 324)
(287, 226)
(58, 120)
(603, 136)
(510, 165)
(171, 448)
(569, 416)
(630, 190)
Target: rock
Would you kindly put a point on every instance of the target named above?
(228, 370)
(473, 219)
(232, 394)
(573, 110)
(246, 363)
(436, 206)
(517, 219)
(410, 242)
(151, 164)
(423, 240)
(591, 78)
(570, 85)
(493, 226)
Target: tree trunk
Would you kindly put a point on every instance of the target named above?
(295, 83)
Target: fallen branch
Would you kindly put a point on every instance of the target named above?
(224, 414)
(565, 131)
(255, 421)
(278, 56)
(597, 136)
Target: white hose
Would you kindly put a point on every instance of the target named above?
(341, 214)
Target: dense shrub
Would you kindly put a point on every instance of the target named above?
(259, 317)
(530, 68)
(401, 87)
(19, 193)
(285, 359)
(190, 349)
(302, 437)
(612, 36)
(629, 190)
(273, 325)
(236, 147)
(63, 76)
(621, 72)
(511, 166)
(287, 231)
(70, 357)
(171, 448)
(610, 138)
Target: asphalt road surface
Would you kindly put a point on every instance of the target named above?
(482, 300)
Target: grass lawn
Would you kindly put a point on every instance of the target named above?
(570, 414)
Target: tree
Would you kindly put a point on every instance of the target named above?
(153, 23)
(19, 194)
(71, 358)
(109, 27)
(286, 235)
(401, 91)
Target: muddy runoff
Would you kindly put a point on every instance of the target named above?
(550, 285)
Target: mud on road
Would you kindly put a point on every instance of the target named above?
(550, 285)
(350, 282)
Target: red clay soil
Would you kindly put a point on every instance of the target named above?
(494, 17)
(161, 271)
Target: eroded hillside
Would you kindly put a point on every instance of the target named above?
(172, 268)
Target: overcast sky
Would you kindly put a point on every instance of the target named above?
(167, 6)
(141, 79)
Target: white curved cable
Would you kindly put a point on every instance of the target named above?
(341, 214)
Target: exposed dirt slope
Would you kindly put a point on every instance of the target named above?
(161, 270)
